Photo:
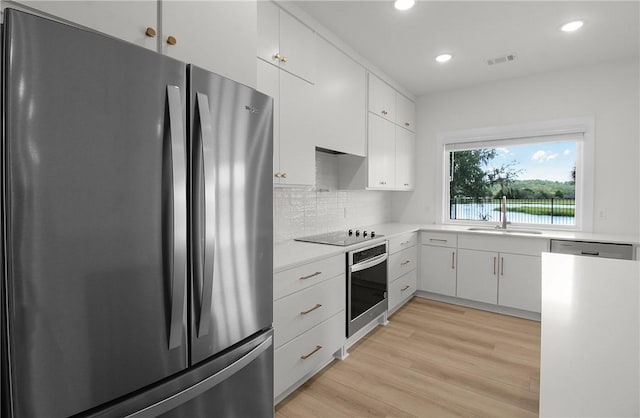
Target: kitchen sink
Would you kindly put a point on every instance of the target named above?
(504, 231)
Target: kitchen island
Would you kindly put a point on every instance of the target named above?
(590, 337)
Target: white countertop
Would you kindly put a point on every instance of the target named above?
(590, 345)
(294, 253)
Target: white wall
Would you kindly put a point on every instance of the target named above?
(607, 92)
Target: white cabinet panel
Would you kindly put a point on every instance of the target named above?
(402, 262)
(519, 285)
(438, 270)
(293, 135)
(298, 278)
(340, 101)
(405, 153)
(127, 21)
(478, 276)
(285, 42)
(382, 98)
(381, 160)
(219, 36)
(402, 289)
(406, 113)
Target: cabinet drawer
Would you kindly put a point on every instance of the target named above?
(305, 354)
(298, 278)
(440, 239)
(402, 289)
(402, 263)
(501, 244)
(296, 313)
(401, 242)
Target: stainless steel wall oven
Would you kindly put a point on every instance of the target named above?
(366, 285)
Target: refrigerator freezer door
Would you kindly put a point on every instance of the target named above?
(95, 216)
(231, 144)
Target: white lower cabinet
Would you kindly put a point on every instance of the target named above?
(438, 267)
(402, 265)
(308, 319)
(519, 285)
(477, 276)
(305, 354)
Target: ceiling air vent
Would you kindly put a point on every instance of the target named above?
(502, 59)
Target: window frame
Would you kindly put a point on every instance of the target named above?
(538, 132)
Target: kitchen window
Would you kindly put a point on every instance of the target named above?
(545, 170)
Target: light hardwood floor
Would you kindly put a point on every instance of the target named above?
(432, 360)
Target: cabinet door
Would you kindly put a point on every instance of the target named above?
(478, 276)
(127, 21)
(405, 153)
(223, 41)
(382, 98)
(340, 101)
(381, 155)
(406, 113)
(268, 31)
(268, 82)
(297, 136)
(297, 47)
(519, 285)
(438, 270)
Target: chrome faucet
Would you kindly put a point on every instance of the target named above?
(503, 214)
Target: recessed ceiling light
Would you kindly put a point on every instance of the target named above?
(444, 57)
(572, 26)
(404, 4)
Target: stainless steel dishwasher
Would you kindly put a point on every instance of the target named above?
(593, 249)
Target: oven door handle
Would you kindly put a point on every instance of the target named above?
(369, 263)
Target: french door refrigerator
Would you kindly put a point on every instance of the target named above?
(136, 231)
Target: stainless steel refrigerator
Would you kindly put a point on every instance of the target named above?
(136, 231)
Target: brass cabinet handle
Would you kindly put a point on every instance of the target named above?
(405, 288)
(494, 266)
(311, 310)
(404, 263)
(150, 32)
(315, 350)
(283, 175)
(405, 243)
(284, 59)
(453, 260)
(502, 266)
(171, 40)
(277, 175)
(277, 56)
(437, 240)
(317, 273)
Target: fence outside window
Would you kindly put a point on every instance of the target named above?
(551, 211)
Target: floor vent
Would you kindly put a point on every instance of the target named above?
(502, 59)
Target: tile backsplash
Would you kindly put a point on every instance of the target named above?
(300, 212)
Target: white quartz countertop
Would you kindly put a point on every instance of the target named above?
(590, 350)
(291, 253)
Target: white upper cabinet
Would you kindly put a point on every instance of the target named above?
(285, 42)
(406, 113)
(129, 21)
(405, 151)
(381, 158)
(340, 101)
(219, 36)
(382, 98)
(293, 125)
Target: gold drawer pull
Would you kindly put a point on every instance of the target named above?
(311, 310)
(406, 242)
(405, 288)
(317, 273)
(404, 263)
(315, 350)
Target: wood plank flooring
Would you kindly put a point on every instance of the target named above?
(432, 360)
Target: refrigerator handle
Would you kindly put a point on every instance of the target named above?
(207, 144)
(179, 179)
(180, 398)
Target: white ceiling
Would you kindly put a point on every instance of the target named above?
(404, 44)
